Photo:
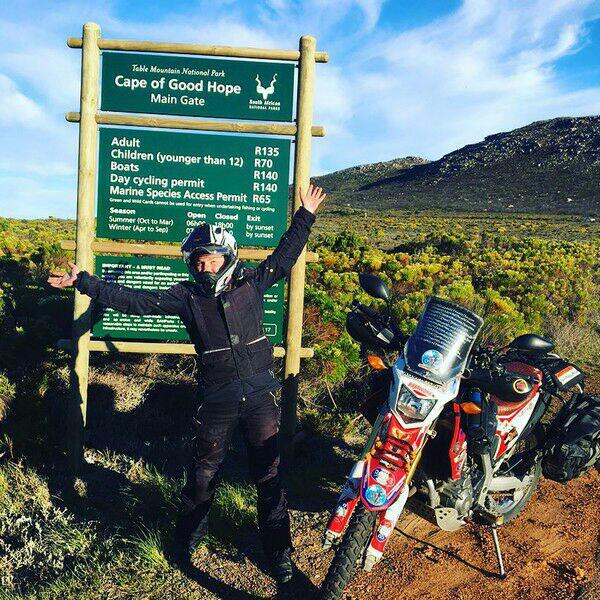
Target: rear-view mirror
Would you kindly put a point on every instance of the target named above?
(374, 286)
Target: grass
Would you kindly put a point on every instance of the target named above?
(234, 508)
(49, 551)
(149, 546)
(39, 542)
(389, 228)
(582, 342)
(7, 394)
(153, 484)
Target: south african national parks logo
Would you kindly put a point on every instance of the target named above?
(264, 103)
(265, 91)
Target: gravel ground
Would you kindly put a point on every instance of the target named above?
(550, 552)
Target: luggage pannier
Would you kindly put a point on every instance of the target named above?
(563, 374)
(573, 442)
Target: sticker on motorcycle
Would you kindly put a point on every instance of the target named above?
(342, 509)
(567, 374)
(382, 476)
(383, 532)
(521, 386)
(432, 360)
(375, 495)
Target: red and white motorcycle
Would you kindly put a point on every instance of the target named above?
(455, 432)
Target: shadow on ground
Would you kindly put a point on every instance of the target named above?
(158, 432)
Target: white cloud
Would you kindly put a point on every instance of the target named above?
(371, 10)
(16, 108)
(487, 67)
(322, 18)
(338, 9)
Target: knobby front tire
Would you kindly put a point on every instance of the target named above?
(348, 553)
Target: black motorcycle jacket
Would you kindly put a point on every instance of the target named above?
(227, 330)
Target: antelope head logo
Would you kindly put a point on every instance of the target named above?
(266, 92)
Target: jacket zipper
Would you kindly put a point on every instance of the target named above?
(215, 350)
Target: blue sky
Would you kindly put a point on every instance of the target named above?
(404, 77)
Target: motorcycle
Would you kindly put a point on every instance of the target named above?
(457, 431)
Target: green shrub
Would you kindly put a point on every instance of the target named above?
(38, 541)
(7, 394)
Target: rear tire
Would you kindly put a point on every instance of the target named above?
(519, 507)
(525, 463)
(348, 554)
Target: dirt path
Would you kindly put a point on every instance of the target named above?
(550, 552)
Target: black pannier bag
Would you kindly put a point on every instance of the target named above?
(560, 375)
(573, 442)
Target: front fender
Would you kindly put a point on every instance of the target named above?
(381, 485)
(390, 463)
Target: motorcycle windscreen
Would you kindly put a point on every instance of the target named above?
(440, 345)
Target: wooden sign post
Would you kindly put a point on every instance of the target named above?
(165, 200)
(86, 180)
(304, 120)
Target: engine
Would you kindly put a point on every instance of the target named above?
(457, 494)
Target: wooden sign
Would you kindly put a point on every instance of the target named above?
(184, 178)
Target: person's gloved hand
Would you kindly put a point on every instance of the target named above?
(67, 279)
(312, 198)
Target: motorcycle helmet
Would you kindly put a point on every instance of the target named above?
(210, 239)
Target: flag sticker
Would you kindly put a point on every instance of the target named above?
(566, 374)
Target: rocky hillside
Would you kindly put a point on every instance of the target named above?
(546, 167)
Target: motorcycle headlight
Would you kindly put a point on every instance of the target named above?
(412, 406)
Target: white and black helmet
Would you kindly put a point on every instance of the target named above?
(210, 239)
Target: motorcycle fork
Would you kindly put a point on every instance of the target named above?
(345, 505)
(349, 497)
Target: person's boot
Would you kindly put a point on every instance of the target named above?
(181, 557)
(198, 535)
(186, 542)
(281, 565)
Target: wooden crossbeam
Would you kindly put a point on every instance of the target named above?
(178, 48)
(160, 348)
(194, 124)
(110, 247)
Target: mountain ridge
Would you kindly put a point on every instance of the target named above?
(550, 166)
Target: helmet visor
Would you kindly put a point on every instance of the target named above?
(192, 257)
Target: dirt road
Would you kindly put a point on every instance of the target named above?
(550, 552)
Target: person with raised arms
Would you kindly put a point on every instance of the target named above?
(222, 312)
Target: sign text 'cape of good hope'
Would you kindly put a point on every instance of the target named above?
(159, 185)
(197, 86)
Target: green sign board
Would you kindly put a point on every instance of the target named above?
(197, 86)
(151, 273)
(158, 185)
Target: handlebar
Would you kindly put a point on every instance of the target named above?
(372, 328)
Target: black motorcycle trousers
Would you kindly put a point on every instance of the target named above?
(215, 421)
